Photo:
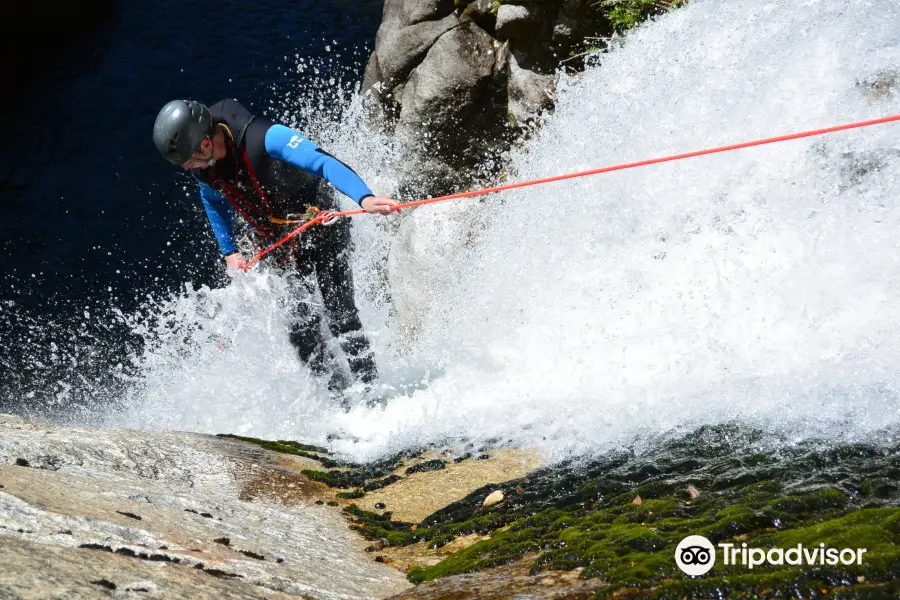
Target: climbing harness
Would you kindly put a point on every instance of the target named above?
(330, 217)
(251, 213)
(293, 218)
(256, 215)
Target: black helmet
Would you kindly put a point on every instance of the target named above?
(180, 127)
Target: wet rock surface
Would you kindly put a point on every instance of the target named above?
(87, 513)
(108, 511)
(414, 485)
(450, 104)
(517, 21)
(617, 519)
(608, 526)
(458, 82)
(505, 583)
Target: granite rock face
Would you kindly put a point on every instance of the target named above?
(443, 77)
(449, 106)
(429, 79)
(517, 21)
(407, 32)
(86, 513)
(529, 91)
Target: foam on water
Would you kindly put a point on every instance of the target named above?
(760, 285)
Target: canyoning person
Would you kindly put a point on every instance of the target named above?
(268, 175)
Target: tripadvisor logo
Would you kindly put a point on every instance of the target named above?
(696, 555)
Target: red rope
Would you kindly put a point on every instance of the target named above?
(783, 138)
(282, 241)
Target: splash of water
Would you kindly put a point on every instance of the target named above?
(760, 285)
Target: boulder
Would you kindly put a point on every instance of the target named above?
(495, 497)
(404, 38)
(481, 13)
(427, 10)
(529, 92)
(450, 104)
(450, 80)
(516, 21)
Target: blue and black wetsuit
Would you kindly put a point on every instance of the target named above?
(271, 171)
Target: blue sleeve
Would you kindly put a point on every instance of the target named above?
(289, 146)
(218, 211)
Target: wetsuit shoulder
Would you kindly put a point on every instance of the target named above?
(287, 145)
(228, 109)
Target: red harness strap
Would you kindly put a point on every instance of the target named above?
(255, 181)
(245, 207)
(253, 214)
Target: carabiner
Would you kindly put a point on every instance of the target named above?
(329, 217)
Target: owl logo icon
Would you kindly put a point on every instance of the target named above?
(695, 555)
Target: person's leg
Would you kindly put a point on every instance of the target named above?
(306, 331)
(335, 279)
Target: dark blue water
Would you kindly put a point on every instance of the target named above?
(93, 218)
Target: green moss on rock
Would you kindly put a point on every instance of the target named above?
(288, 447)
(753, 490)
(639, 555)
(351, 495)
(582, 515)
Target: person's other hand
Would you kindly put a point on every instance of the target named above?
(378, 204)
(235, 261)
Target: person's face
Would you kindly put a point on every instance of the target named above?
(200, 158)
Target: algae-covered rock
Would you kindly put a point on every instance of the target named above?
(759, 491)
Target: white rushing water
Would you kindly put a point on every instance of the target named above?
(759, 285)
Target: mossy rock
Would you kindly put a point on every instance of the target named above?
(290, 447)
(351, 495)
(580, 514)
(343, 474)
(753, 489)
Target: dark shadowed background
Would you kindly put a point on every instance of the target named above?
(92, 216)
